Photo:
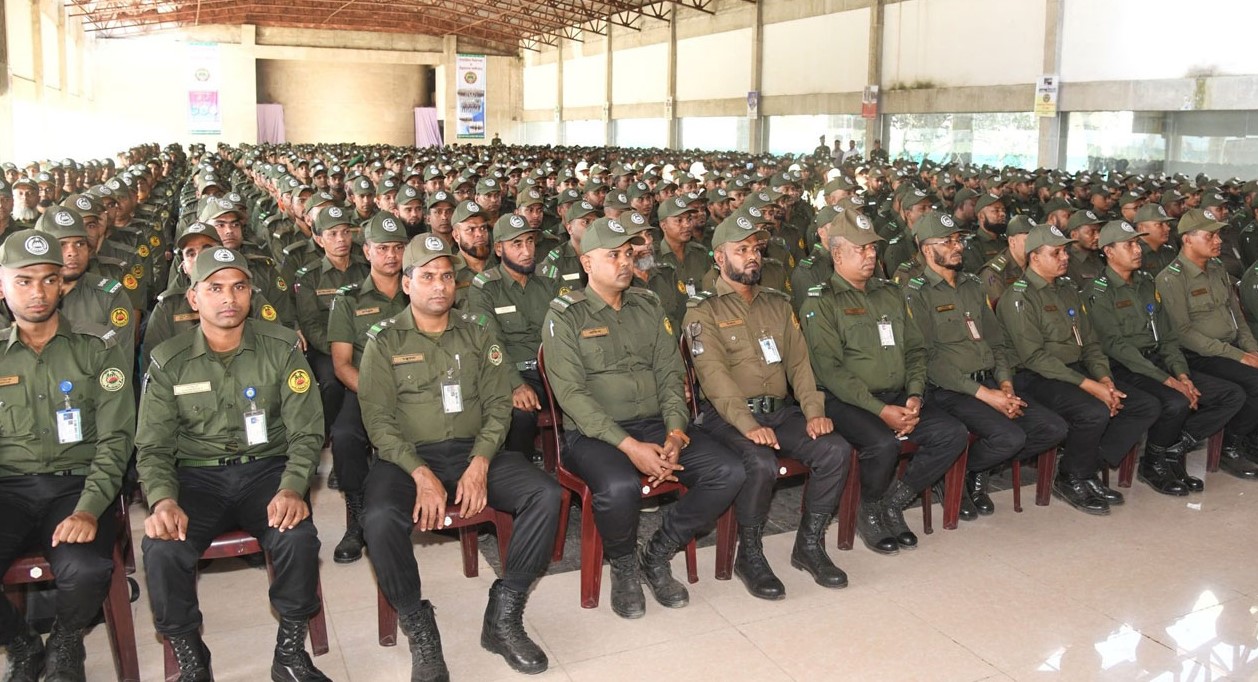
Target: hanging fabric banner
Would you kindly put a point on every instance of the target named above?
(470, 96)
(204, 114)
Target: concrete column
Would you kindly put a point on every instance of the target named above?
(37, 50)
(963, 136)
(609, 125)
(670, 103)
(450, 63)
(559, 93)
(6, 94)
(756, 125)
(874, 127)
(1052, 152)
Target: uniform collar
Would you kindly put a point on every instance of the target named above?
(723, 288)
(406, 321)
(201, 347)
(1033, 278)
(63, 329)
(839, 284)
(1115, 280)
(1190, 268)
(934, 279)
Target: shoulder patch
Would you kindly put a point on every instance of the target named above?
(110, 286)
(916, 282)
(1175, 267)
(349, 288)
(817, 290)
(476, 319)
(566, 301)
(1020, 285)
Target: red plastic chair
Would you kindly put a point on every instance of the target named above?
(386, 615)
(33, 568)
(1214, 452)
(1046, 464)
(591, 541)
(238, 543)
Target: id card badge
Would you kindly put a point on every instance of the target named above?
(1153, 325)
(769, 349)
(886, 335)
(255, 427)
(972, 326)
(451, 394)
(69, 426)
(690, 287)
(1074, 326)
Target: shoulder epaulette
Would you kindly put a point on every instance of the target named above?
(476, 319)
(259, 258)
(379, 327)
(1216, 260)
(550, 270)
(640, 291)
(1065, 278)
(100, 331)
(175, 290)
(301, 272)
(554, 253)
(1020, 285)
(349, 288)
(109, 286)
(817, 290)
(275, 331)
(1100, 283)
(1174, 267)
(972, 277)
(562, 303)
(171, 347)
(485, 277)
(916, 282)
(698, 298)
(998, 263)
(776, 292)
(805, 263)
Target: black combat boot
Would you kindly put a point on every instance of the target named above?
(653, 558)
(809, 553)
(66, 655)
(503, 631)
(628, 601)
(427, 662)
(872, 529)
(976, 487)
(291, 662)
(25, 662)
(193, 657)
(897, 497)
(350, 548)
(753, 568)
(1155, 471)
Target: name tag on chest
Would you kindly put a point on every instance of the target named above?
(189, 389)
(1200, 292)
(593, 333)
(326, 292)
(186, 317)
(366, 311)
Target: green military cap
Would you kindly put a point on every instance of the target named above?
(409, 195)
(616, 199)
(488, 185)
(441, 197)
(29, 247)
(1058, 204)
(855, 228)
(529, 198)
(620, 169)
(1171, 196)
(634, 222)
(855, 202)
(1116, 231)
(782, 180)
(466, 210)
(935, 225)
(333, 216)
(840, 182)
(739, 184)
(1152, 213)
(511, 226)
(425, 248)
(432, 172)
(567, 196)
(387, 184)
(736, 229)
(318, 199)
(715, 195)
(607, 233)
(1045, 235)
(593, 184)
(26, 182)
(85, 205)
(963, 195)
(1200, 219)
(1081, 218)
(753, 213)
(1212, 199)
(675, 206)
(61, 223)
(1130, 198)
(361, 185)
(825, 214)
(194, 230)
(639, 189)
(1020, 224)
(383, 228)
(217, 208)
(579, 209)
(985, 199)
(218, 258)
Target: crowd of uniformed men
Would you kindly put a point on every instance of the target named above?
(257, 302)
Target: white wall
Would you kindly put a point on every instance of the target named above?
(950, 43)
(540, 90)
(640, 74)
(826, 53)
(585, 81)
(713, 66)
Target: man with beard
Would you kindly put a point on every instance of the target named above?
(6, 209)
(1197, 294)
(25, 203)
(354, 310)
(989, 239)
(1154, 225)
(870, 358)
(612, 362)
(563, 263)
(229, 438)
(516, 299)
(1008, 266)
(689, 260)
(409, 210)
(62, 459)
(440, 207)
(316, 286)
(649, 274)
(530, 205)
(967, 364)
(1085, 255)
(471, 233)
(49, 190)
(750, 362)
(430, 355)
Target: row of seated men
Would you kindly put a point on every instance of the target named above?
(431, 362)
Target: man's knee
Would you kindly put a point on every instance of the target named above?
(168, 553)
(759, 465)
(82, 569)
(383, 519)
(301, 541)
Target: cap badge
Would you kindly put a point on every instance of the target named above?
(36, 246)
(63, 218)
(224, 256)
(615, 226)
(434, 244)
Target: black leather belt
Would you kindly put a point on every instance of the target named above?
(526, 365)
(766, 404)
(217, 462)
(982, 375)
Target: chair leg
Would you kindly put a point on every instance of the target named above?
(726, 538)
(318, 629)
(504, 524)
(954, 488)
(470, 547)
(1127, 468)
(928, 526)
(1214, 452)
(561, 535)
(591, 556)
(386, 620)
(1016, 472)
(119, 624)
(1046, 469)
(848, 504)
(692, 562)
(168, 661)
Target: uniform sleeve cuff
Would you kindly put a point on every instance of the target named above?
(92, 505)
(295, 482)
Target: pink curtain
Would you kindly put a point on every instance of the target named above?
(271, 124)
(427, 132)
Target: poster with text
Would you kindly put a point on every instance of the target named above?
(205, 117)
(470, 96)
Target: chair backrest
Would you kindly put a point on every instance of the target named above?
(550, 461)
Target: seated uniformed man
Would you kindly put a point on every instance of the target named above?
(1153, 222)
(472, 231)
(354, 310)
(967, 367)
(436, 400)
(679, 247)
(517, 300)
(989, 237)
(1060, 364)
(869, 356)
(1007, 267)
(750, 362)
(1143, 349)
(649, 273)
(1198, 297)
(613, 364)
(61, 460)
(563, 263)
(230, 439)
(1085, 259)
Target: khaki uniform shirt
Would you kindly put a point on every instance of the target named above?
(1204, 309)
(356, 308)
(955, 351)
(1126, 316)
(1041, 321)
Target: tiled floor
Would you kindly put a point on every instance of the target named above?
(1163, 589)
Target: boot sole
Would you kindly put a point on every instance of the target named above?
(629, 615)
(800, 566)
(488, 646)
(681, 603)
(766, 597)
(874, 548)
(1085, 510)
(346, 560)
(1169, 493)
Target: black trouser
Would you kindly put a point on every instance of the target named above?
(940, 439)
(331, 390)
(1244, 421)
(712, 475)
(1219, 401)
(218, 500)
(523, 432)
(351, 449)
(827, 457)
(1000, 438)
(31, 507)
(514, 485)
(1092, 436)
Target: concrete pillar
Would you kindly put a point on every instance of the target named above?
(609, 125)
(670, 103)
(755, 125)
(6, 92)
(1052, 151)
(963, 136)
(37, 50)
(874, 127)
(559, 93)
(450, 64)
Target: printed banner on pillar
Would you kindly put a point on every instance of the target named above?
(1046, 96)
(470, 96)
(204, 113)
(869, 102)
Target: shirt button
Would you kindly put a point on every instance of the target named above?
(40, 396)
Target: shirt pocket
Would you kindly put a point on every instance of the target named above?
(950, 328)
(417, 383)
(16, 417)
(599, 353)
(740, 343)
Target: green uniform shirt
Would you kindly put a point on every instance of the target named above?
(173, 315)
(1204, 309)
(1154, 262)
(908, 270)
(998, 275)
(97, 300)
(518, 313)
(695, 263)
(356, 308)
(726, 335)
(662, 281)
(401, 387)
(1040, 322)
(899, 246)
(808, 273)
(1249, 297)
(1126, 315)
(841, 324)
(944, 314)
(193, 405)
(314, 290)
(608, 366)
(1084, 266)
(88, 356)
(563, 265)
(981, 248)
